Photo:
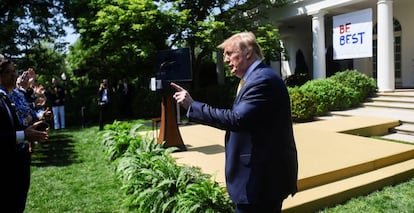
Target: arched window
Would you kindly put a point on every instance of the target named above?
(397, 52)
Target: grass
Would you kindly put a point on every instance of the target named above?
(71, 173)
(398, 199)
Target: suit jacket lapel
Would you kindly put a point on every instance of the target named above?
(246, 82)
(8, 106)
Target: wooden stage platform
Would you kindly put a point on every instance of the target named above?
(337, 160)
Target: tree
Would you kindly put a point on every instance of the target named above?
(252, 15)
(200, 31)
(26, 23)
(120, 38)
(269, 40)
(45, 60)
(209, 22)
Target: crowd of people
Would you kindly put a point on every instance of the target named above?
(23, 115)
(26, 119)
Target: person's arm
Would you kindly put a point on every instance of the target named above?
(205, 114)
(100, 91)
(32, 134)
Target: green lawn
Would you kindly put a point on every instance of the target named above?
(398, 199)
(71, 173)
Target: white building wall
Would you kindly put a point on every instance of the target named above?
(404, 13)
(297, 35)
(295, 42)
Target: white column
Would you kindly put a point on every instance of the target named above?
(385, 54)
(318, 32)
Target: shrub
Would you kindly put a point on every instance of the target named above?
(329, 95)
(303, 105)
(297, 79)
(221, 96)
(363, 85)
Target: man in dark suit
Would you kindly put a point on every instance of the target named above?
(104, 103)
(15, 155)
(261, 159)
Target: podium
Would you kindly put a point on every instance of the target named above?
(169, 132)
(173, 65)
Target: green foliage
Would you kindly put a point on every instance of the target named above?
(217, 95)
(297, 79)
(342, 91)
(150, 183)
(151, 178)
(120, 38)
(363, 85)
(117, 139)
(303, 104)
(389, 199)
(204, 196)
(330, 95)
(25, 24)
(70, 174)
(46, 60)
(146, 104)
(268, 38)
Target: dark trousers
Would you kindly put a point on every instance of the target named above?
(267, 207)
(23, 178)
(104, 114)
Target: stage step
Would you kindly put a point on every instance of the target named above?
(334, 193)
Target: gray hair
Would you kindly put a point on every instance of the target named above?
(244, 41)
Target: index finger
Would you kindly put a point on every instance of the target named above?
(176, 87)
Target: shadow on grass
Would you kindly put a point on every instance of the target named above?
(57, 151)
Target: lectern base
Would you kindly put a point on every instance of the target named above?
(169, 133)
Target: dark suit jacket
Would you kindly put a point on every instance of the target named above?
(7, 129)
(108, 94)
(261, 157)
(8, 155)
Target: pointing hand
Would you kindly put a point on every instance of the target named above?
(182, 96)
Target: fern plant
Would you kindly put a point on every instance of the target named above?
(152, 179)
(116, 139)
(204, 196)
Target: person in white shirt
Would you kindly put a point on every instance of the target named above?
(104, 102)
